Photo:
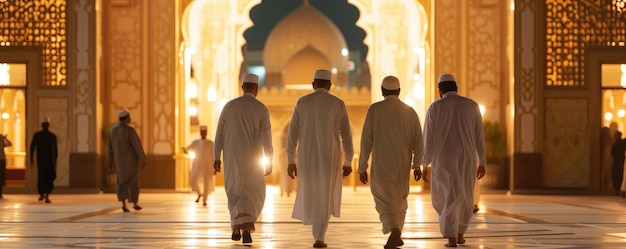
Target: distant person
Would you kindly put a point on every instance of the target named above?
(45, 143)
(319, 126)
(125, 155)
(453, 136)
(3, 162)
(617, 168)
(393, 134)
(244, 134)
(202, 171)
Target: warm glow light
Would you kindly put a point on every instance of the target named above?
(211, 94)
(265, 161)
(5, 77)
(192, 89)
(191, 154)
(621, 113)
(482, 109)
(334, 70)
(418, 91)
(622, 80)
(344, 52)
(5, 115)
(298, 86)
(408, 102)
(608, 116)
(193, 111)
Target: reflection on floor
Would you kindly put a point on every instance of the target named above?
(174, 220)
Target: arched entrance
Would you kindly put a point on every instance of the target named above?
(214, 37)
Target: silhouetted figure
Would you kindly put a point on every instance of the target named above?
(617, 168)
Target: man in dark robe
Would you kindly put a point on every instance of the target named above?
(126, 155)
(45, 143)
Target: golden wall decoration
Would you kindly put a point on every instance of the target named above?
(38, 23)
(572, 25)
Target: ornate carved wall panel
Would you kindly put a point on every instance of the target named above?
(82, 72)
(57, 110)
(528, 76)
(38, 23)
(448, 32)
(567, 143)
(162, 78)
(571, 25)
(123, 48)
(486, 64)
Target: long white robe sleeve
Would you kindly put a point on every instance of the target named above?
(393, 134)
(244, 135)
(319, 129)
(453, 136)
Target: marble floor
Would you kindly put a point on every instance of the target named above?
(174, 220)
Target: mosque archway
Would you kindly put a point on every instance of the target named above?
(219, 46)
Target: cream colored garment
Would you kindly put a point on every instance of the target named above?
(318, 128)
(202, 172)
(393, 134)
(244, 134)
(453, 136)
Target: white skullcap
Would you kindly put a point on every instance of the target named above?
(123, 113)
(391, 83)
(321, 74)
(250, 78)
(45, 120)
(203, 128)
(446, 77)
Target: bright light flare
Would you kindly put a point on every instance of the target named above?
(483, 109)
(191, 154)
(265, 161)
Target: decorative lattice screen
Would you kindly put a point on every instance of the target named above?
(571, 25)
(38, 23)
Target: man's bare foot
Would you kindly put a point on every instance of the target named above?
(451, 242)
(460, 239)
(137, 207)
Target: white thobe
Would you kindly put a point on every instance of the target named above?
(202, 172)
(393, 134)
(244, 135)
(453, 136)
(318, 128)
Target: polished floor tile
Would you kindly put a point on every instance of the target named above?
(174, 220)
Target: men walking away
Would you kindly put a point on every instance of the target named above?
(244, 133)
(453, 136)
(45, 143)
(126, 155)
(319, 125)
(393, 134)
(202, 172)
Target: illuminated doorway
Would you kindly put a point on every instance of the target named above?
(614, 121)
(12, 115)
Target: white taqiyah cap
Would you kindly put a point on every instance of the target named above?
(446, 77)
(391, 83)
(203, 128)
(123, 113)
(321, 74)
(45, 120)
(250, 78)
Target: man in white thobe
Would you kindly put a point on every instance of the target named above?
(126, 154)
(201, 175)
(318, 123)
(393, 134)
(244, 134)
(453, 136)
